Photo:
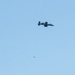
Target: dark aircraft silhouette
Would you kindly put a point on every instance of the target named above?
(45, 24)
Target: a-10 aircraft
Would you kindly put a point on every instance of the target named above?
(45, 24)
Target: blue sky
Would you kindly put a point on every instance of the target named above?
(21, 38)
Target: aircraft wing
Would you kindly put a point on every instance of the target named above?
(50, 25)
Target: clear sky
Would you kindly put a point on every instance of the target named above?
(21, 39)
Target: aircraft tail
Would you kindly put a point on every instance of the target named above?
(39, 23)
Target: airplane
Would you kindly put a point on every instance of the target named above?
(45, 24)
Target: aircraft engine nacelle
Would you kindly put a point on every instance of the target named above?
(46, 24)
